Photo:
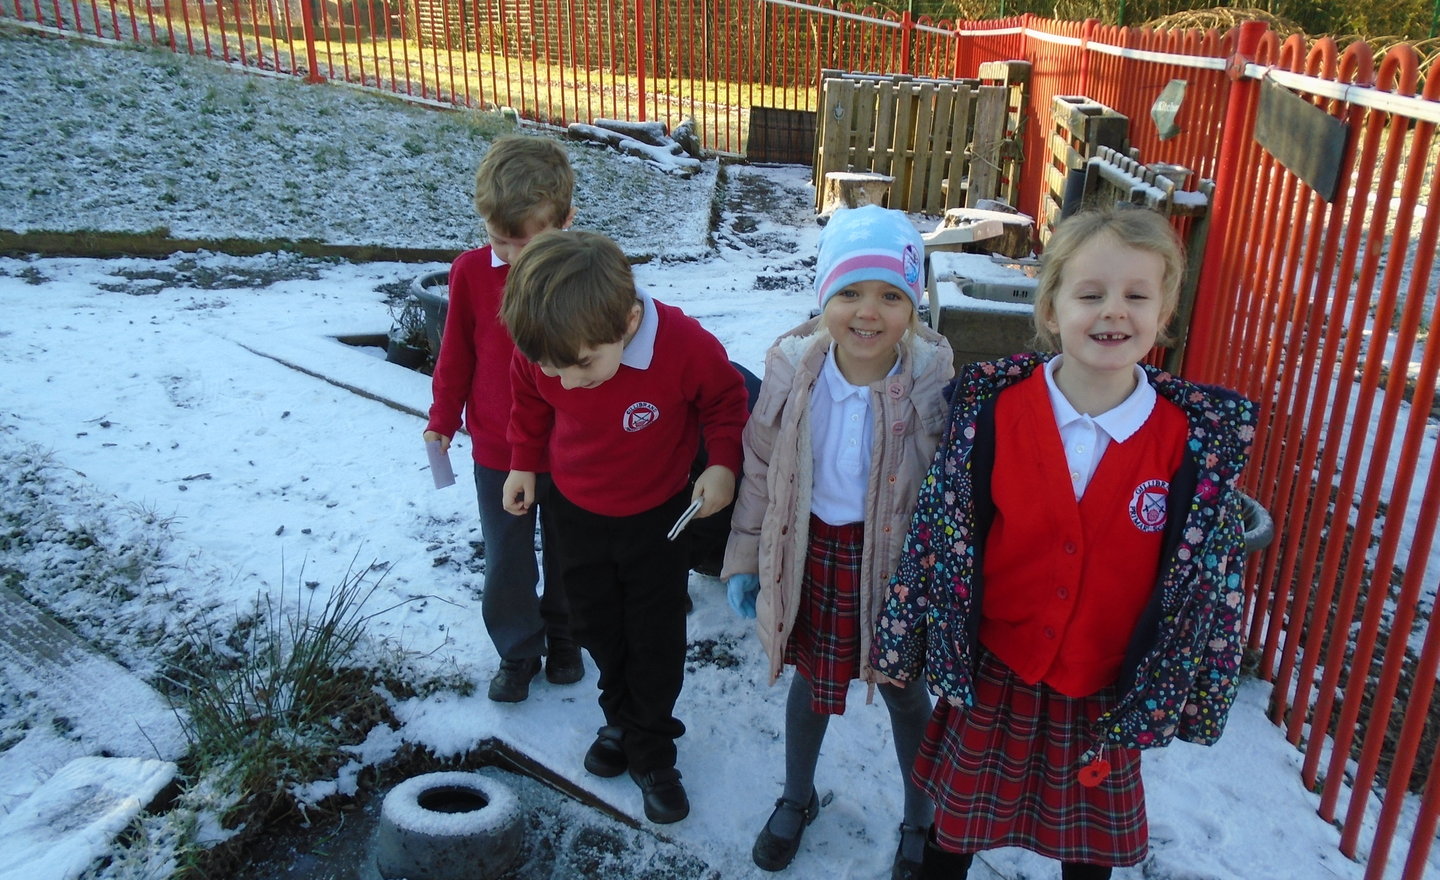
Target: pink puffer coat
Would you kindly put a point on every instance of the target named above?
(770, 530)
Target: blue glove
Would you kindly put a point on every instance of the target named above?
(741, 590)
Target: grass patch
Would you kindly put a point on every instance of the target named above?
(272, 703)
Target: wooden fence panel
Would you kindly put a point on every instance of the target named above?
(926, 134)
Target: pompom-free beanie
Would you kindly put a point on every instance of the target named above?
(869, 243)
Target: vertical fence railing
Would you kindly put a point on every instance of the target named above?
(1320, 310)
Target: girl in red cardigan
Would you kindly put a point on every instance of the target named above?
(1071, 579)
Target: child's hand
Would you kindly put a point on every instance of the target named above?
(519, 493)
(436, 435)
(716, 486)
(740, 591)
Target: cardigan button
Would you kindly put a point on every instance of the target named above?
(1049, 633)
(784, 529)
(892, 478)
(1063, 593)
(897, 428)
(895, 390)
(1070, 547)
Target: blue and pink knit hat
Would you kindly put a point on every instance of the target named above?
(869, 243)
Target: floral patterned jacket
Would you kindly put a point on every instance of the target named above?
(1182, 666)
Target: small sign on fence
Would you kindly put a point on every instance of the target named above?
(1302, 137)
(1166, 109)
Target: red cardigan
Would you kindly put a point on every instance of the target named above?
(626, 446)
(1066, 580)
(473, 371)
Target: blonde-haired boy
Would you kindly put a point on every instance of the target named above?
(523, 187)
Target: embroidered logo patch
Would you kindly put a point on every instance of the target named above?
(912, 261)
(639, 416)
(1147, 505)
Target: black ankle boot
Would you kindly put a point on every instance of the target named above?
(941, 864)
(902, 868)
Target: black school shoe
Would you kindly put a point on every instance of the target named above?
(902, 868)
(606, 757)
(665, 799)
(773, 852)
(512, 683)
(564, 665)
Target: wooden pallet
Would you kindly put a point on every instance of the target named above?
(946, 143)
(1078, 128)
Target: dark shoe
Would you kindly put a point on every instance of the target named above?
(606, 757)
(902, 868)
(564, 665)
(773, 852)
(941, 864)
(512, 683)
(665, 799)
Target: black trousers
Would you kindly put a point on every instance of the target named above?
(627, 587)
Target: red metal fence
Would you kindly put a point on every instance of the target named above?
(1320, 310)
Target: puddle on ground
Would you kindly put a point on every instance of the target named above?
(563, 839)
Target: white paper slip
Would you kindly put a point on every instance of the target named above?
(439, 465)
(684, 519)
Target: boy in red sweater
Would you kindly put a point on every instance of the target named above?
(615, 389)
(522, 188)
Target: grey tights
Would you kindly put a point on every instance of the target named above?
(909, 708)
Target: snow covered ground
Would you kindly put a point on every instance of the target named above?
(200, 413)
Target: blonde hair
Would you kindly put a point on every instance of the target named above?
(523, 180)
(568, 290)
(1139, 228)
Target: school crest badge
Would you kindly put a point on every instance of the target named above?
(639, 416)
(1147, 505)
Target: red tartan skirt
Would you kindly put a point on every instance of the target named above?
(824, 644)
(1003, 773)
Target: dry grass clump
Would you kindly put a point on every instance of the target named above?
(1222, 18)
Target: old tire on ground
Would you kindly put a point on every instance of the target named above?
(448, 826)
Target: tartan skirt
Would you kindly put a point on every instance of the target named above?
(1004, 773)
(824, 644)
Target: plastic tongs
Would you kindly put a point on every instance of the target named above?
(684, 519)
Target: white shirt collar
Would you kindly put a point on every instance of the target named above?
(495, 261)
(640, 350)
(840, 387)
(1119, 422)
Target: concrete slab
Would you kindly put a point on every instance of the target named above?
(70, 822)
(104, 707)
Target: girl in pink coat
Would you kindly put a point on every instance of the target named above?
(847, 419)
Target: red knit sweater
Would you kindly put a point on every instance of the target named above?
(626, 446)
(473, 371)
(1066, 580)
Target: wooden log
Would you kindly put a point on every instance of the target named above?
(1014, 228)
(852, 189)
(652, 133)
(579, 131)
(684, 135)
